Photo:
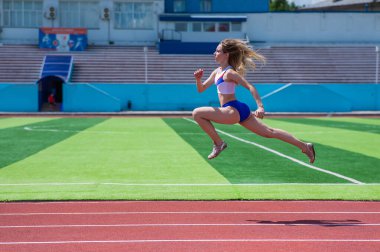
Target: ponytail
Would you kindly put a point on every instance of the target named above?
(241, 55)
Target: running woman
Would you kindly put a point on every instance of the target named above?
(234, 58)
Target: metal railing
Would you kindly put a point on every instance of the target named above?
(377, 64)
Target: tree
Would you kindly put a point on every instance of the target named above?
(281, 5)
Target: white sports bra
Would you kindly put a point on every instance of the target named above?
(224, 87)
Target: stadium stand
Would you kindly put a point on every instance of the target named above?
(126, 64)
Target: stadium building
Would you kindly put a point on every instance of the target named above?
(150, 21)
(121, 22)
(344, 5)
(144, 42)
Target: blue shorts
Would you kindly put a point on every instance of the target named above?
(242, 108)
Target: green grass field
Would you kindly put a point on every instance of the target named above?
(166, 159)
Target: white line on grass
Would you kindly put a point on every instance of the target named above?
(42, 129)
(286, 156)
(192, 240)
(27, 128)
(180, 185)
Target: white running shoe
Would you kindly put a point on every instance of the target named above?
(216, 150)
(310, 152)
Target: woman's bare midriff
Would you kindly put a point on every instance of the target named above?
(224, 98)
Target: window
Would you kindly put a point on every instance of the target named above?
(205, 6)
(179, 6)
(22, 13)
(133, 15)
(235, 26)
(79, 14)
(197, 27)
(180, 27)
(224, 27)
(209, 27)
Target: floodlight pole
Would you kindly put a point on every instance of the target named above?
(146, 63)
(109, 31)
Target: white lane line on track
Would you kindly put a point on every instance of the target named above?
(184, 212)
(188, 241)
(193, 225)
(286, 156)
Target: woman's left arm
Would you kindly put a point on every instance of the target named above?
(235, 77)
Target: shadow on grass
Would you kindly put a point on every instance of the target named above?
(245, 163)
(334, 124)
(18, 143)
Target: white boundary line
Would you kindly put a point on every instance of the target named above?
(286, 156)
(184, 212)
(180, 185)
(72, 131)
(193, 225)
(190, 240)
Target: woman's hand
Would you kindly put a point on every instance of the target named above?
(259, 113)
(198, 74)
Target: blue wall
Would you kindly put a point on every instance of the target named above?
(142, 97)
(325, 98)
(184, 97)
(223, 6)
(178, 47)
(177, 97)
(19, 97)
(243, 6)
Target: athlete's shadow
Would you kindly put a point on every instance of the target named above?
(323, 223)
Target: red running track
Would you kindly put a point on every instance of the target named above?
(190, 226)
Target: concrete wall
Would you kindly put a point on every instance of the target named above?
(315, 27)
(297, 28)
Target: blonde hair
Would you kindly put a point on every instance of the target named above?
(241, 55)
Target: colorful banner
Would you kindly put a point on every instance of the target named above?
(63, 39)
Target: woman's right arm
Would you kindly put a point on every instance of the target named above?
(198, 74)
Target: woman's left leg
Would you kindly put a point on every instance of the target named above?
(261, 129)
